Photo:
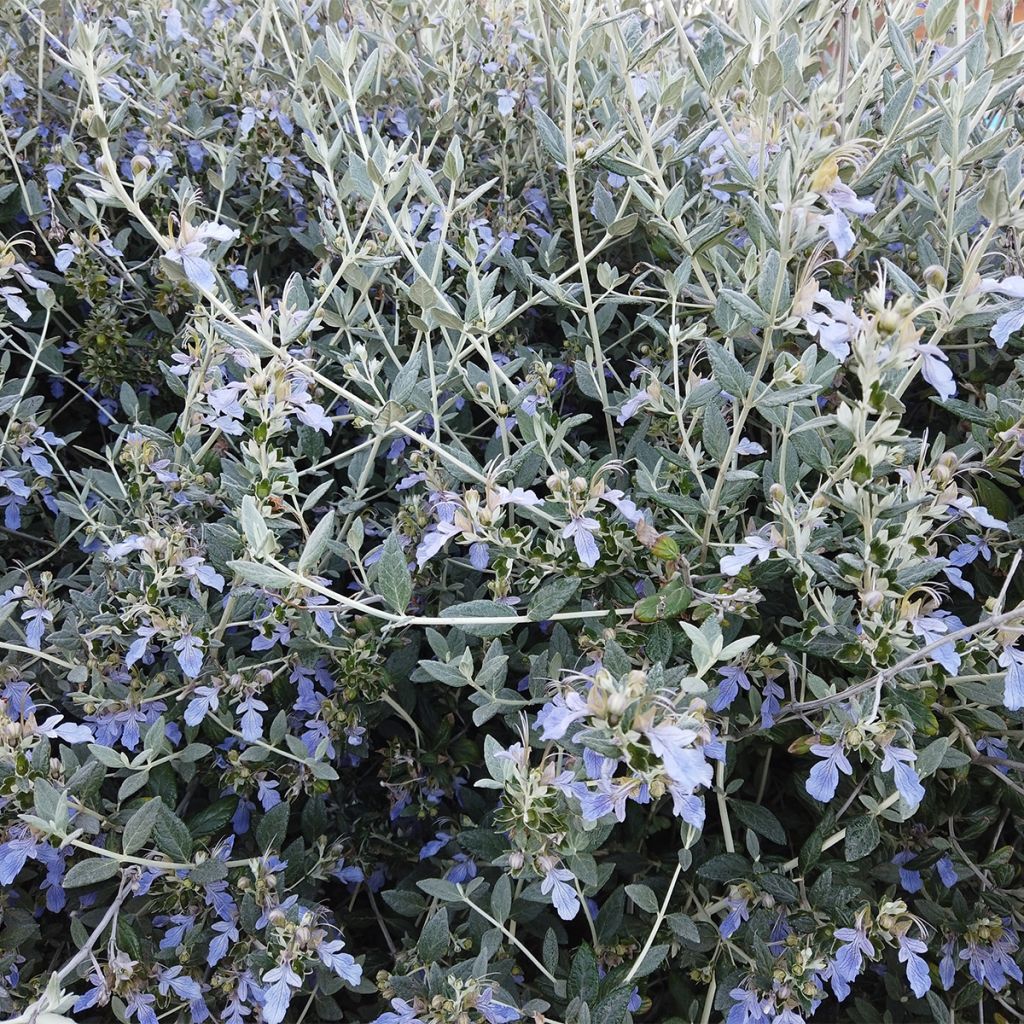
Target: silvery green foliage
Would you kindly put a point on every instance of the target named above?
(509, 513)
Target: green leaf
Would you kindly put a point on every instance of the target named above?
(711, 55)
(129, 401)
(394, 581)
(440, 889)
(552, 597)
(652, 960)
(434, 939)
(48, 800)
(862, 836)
(404, 902)
(172, 835)
(760, 819)
(550, 135)
(501, 898)
(270, 832)
(744, 307)
(727, 371)
(779, 887)
(106, 756)
(715, 433)
(481, 610)
(261, 575)
(726, 867)
(938, 17)
(257, 535)
(317, 543)
(584, 978)
(900, 45)
(406, 378)
(613, 1008)
(683, 927)
(213, 818)
(930, 759)
(768, 75)
(90, 871)
(139, 826)
(211, 870)
(643, 896)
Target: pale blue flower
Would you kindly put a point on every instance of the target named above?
(434, 540)
(555, 718)
(401, 1012)
(739, 911)
(683, 762)
(910, 878)
(507, 99)
(189, 650)
(188, 251)
(733, 678)
(563, 895)
(917, 969)
(1012, 660)
(936, 369)
(494, 1012)
(205, 701)
(946, 871)
(754, 548)
(632, 406)
(341, 963)
(582, 529)
(834, 329)
(251, 722)
(841, 198)
(898, 761)
(172, 979)
(824, 778)
(281, 981)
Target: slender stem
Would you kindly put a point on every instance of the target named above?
(508, 935)
(662, 911)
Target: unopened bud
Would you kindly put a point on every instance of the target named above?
(888, 321)
(935, 277)
(665, 548)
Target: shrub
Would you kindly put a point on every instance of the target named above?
(510, 513)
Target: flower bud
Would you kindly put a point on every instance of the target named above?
(888, 321)
(935, 277)
(665, 548)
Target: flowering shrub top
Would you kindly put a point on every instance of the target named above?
(510, 514)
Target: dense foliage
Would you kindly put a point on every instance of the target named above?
(510, 512)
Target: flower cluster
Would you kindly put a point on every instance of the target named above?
(510, 517)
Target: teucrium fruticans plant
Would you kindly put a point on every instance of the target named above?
(509, 513)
